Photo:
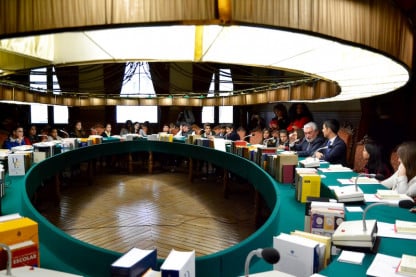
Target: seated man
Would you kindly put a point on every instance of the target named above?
(310, 142)
(336, 149)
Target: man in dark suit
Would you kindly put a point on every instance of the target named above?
(310, 143)
(336, 151)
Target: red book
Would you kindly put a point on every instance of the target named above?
(23, 253)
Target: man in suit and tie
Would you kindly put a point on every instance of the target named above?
(336, 151)
(310, 143)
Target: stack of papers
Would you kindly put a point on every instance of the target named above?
(407, 265)
(351, 257)
(336, 168)
(360, 180)
(408, 227)
(390, 194)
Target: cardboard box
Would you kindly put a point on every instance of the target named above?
(299, 256)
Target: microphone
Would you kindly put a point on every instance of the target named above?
(319, 149)
(247, 136)
(64, 132)
(405, 204)
(270, 255)
(9, 259)
(267, 140)
(357, 235)
(370, 175)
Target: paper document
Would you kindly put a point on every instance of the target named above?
(336, 168)
(360, 181)
(388, 230)
(384, 265)
(351, 257)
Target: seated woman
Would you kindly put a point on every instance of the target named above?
(404, 179)
(268, 139)
(283, 140)
(374, 163)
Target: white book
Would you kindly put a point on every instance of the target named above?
(299, 256)
(179, 263)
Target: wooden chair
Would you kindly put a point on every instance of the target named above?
(359, 162)
(346, 133)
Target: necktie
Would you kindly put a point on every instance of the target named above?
(308, 147)
(328, 144)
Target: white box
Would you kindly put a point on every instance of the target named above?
(178, 264)
(299, 256)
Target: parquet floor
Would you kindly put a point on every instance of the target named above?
(163, 211)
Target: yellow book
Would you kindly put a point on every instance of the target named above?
(307, 185)
(319, 238)
(19, 230)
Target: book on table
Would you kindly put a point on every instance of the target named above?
(402, 226)
(407, 265)
(134, 263)
(23, 253)
(179, 263)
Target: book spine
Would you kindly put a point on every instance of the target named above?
(26, 256)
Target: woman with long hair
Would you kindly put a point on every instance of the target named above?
(404, 179)
(374, 162)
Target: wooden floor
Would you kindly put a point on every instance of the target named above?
(163, 211)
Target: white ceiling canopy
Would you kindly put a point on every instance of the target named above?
(359, 72)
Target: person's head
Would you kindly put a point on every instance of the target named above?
(185, 127)
(310, 131)
(299, 110)
(32, 130)
(108, 128)
(330, 128)
(78, 125)
(166, 128)
(207, 128)
(229, 129)
(266, 133)
(371, 152)
(53, 133)
(280, 110)
(128, 123)
(273, 124)
(283, 136)
(217, 130)
(18, 132)
(407, 156)
(136, 126)
(242, 132)
(275, 133)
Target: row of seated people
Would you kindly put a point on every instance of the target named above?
(329, 146)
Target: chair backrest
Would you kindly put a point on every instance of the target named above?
(394, 160)
(347, 134)
(359, 162)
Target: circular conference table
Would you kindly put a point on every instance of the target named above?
(62, 252)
